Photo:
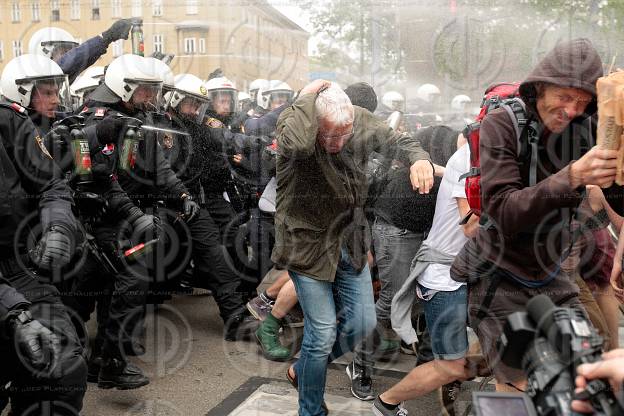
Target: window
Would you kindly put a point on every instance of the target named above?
(116, 8)
(95, 9)
(189, 46)
(137, 8)
(191, 7)
(118, 49)
(75, 9)
(159, 43)
(35, 9)
(157, 6)
(17, 48)
(55, 11)
(15, 12)
(202, 45)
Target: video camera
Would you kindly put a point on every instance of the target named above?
(548, 343)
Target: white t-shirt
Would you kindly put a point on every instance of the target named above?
(446, 235)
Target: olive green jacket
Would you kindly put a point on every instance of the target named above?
(320, 196)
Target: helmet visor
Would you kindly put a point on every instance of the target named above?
(191, 105)
(224, 102)
(147, 96)
(56, 49)
(50, 96)
(279, 98)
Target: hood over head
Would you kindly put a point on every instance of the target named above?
(570, 64)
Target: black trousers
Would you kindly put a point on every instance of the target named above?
(261, 232)
(120, 298)
(215, 255)
(61, 396)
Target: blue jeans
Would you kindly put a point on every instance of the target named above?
(348, 300)
(446, 313)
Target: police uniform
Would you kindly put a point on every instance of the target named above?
(120, 295)
(31, 183)
(149, 179)
(207, 175)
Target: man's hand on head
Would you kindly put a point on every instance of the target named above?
(421, 176)
(315, 87)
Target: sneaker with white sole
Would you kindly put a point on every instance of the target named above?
(380, 410)
(361, 382)
(260, 307)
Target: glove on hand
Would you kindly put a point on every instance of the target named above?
(144, 226)
(38, 347)
(190, 208)
(118, 30)
(110, 130)
(54, 249)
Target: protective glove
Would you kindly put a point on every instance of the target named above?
(110, 130)
(54, 248)
(38, 347)
(144, 226)
(190, 208)
(118, 30)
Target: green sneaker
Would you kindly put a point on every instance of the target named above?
(267, 336)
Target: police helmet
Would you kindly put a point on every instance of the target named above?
(51, 42)
(27, 72)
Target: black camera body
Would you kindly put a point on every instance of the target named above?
(548, 343)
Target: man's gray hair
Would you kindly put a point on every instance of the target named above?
(333, 106)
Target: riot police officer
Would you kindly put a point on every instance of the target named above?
(206, 174)
(102, 203)
(221, 110)
(35, 199)
(131, 92)
(256, 86)
(39, 84)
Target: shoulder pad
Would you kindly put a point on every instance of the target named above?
(15, 107)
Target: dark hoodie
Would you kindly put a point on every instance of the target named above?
(531, 228)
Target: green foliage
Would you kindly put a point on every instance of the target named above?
(350, 30)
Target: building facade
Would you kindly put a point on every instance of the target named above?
(246, 39)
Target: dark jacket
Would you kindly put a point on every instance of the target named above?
(76, 60)
(321, 196)
(264, 125)
(531, 224)
(151, 176)
(103, 162)
(30, 179)
(206, 154)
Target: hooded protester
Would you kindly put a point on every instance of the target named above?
(530, 207)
